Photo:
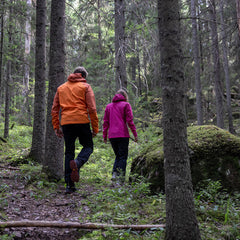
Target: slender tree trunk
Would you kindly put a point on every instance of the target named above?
(1, 50)
(38, 137)
(216, 65)
(120, 51)
(133, 63)
(100, 50)
(25, 106)
(139, 70)
(226, 69)
(196, 56)
(181, 222)
(238, 15)
(9, 76)
(7, 98)
(54, 151)
(27, 48)
(237, 40)
(200, 40)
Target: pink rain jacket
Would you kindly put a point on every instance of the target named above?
(118, 116)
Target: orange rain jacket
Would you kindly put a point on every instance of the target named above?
(76, 100)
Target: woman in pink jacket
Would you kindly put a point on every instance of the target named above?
(117, 118)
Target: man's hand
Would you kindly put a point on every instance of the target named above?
(58, 133)
(105, 140)
(135, 139)
(94, 134)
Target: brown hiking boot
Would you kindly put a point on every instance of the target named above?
(74, 174)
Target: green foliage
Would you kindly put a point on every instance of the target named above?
(128, 204)
(7, 237)
(210, 190)
(214, 205)
(18, 143)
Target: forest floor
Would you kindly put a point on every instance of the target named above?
(24, 204)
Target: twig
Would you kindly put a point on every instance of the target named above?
(58, 224)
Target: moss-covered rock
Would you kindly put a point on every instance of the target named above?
(214, 154)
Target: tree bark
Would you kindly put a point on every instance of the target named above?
(38, 137)
(238, 15)
(181, 222)
(226, 69)
(1, 50)
(54, 151)
(25, 109)
(120, 48)
(196, 57)
(58, 224)
(9, 76)
(216, 65)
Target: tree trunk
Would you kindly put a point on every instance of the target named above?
(120, 51)
(38, 137)
(139, 77)
(1, 50)
(226, 69)
(25, 110)
(196, 56)
(216, 65)
(100, 50)
(9, 76)
(133, 63)
(53, 161)
(200, 39)
(181, 222)
(238, 15)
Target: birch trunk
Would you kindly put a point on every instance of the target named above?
(25, 105)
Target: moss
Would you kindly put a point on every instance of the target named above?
(214, 154)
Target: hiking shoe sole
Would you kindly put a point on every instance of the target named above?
(74, 173)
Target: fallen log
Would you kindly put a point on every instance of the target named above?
(58, 224)
(10, 168)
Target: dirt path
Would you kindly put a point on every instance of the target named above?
(23, 203)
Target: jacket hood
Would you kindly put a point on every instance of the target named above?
(76, 77)
(118, 98)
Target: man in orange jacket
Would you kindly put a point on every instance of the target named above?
(76, 100)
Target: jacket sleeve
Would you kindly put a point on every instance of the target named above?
(129, 119)
(55, 111)
(105, 123)
(92, 110)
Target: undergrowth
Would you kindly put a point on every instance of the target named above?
(217, 211)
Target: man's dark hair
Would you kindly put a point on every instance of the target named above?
(81, 70)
